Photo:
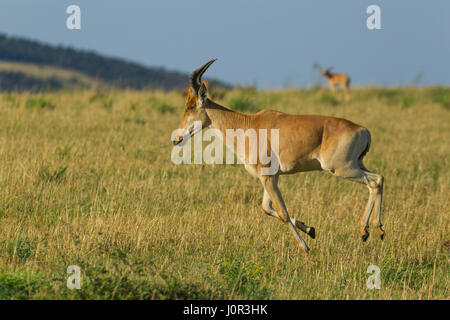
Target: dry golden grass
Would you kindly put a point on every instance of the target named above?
(46, 72)
(86, 179)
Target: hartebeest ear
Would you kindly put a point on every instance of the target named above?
(203, 93)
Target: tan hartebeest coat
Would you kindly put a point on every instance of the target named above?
(306, 142)
(337, 79)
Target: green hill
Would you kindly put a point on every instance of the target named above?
(31, 65)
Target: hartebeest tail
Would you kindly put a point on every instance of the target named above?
(305, 143)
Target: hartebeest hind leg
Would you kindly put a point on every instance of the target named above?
(270, 184)
(378, 190)
(345, 160)
(364, 222)
(268, 209)
(375, 184)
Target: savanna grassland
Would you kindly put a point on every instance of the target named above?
(86, 179)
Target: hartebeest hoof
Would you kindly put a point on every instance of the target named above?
(312, 232)
(380, 232)
(365, 236)
(305, 252)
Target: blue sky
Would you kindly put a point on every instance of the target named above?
(270, 43)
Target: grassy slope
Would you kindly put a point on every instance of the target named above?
(46, 72)
(114, 72)
(86, 179)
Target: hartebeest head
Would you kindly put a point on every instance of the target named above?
(195, 106)
(326, 71)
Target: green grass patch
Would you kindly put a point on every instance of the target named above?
(48, 175)
(162, 106)
(397, 97)
(441, 96)
(39, 103)
(243, 103)
(327, 99)
(239, 275)
(18, 286)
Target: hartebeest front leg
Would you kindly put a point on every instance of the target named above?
(332, 87)
(268, 209)
(270, 185)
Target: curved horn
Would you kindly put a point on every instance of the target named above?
(196, 76)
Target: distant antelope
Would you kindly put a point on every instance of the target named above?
(306, 143)
(184, 93)
(335, 79)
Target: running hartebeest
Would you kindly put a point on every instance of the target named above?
(306, 143)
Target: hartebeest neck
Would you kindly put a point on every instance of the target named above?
(223, 118)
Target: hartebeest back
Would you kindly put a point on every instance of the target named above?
(306, 142)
